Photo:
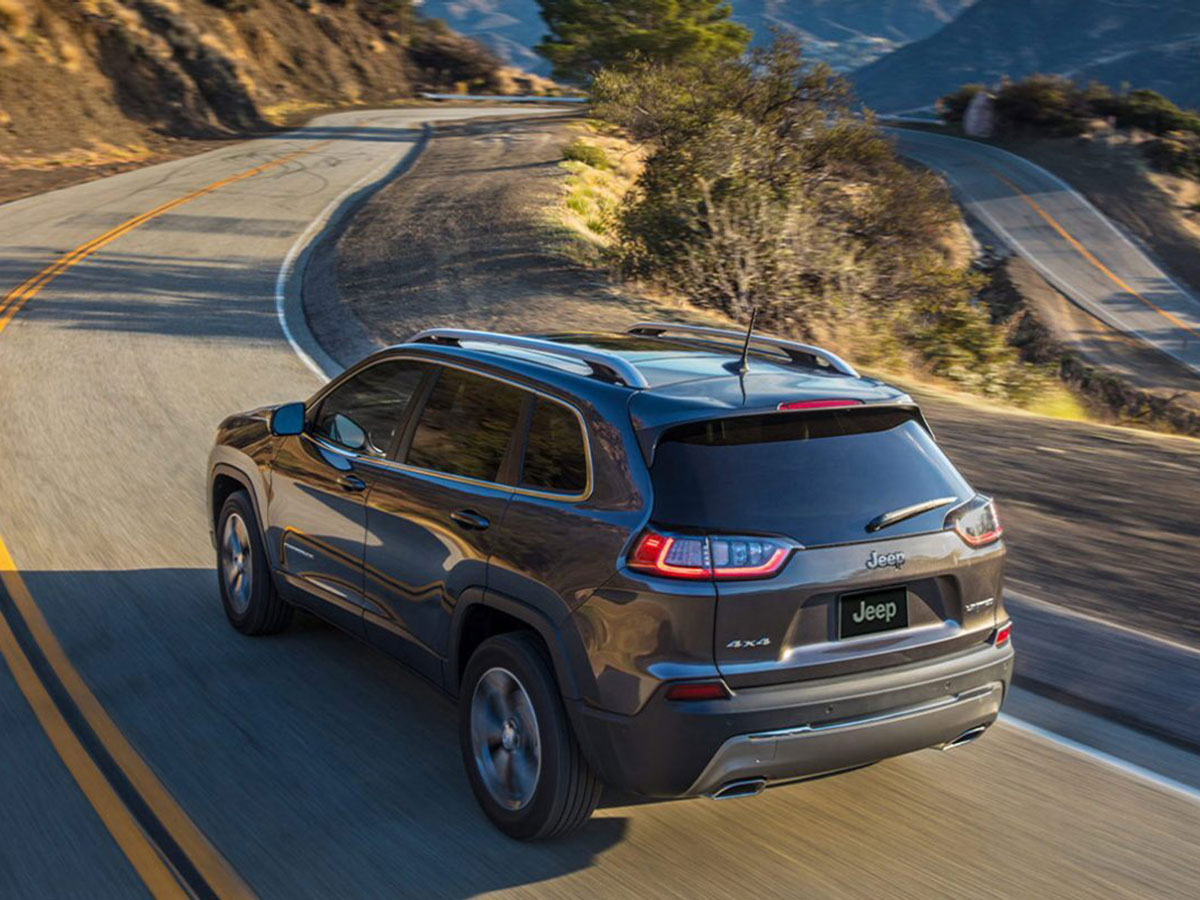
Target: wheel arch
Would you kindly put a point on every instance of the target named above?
(481, 614)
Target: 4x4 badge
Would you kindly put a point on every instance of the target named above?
(885, 560)
(743, 645)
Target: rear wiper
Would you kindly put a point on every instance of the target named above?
(907, 512)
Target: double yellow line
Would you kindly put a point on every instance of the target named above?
(170, 854)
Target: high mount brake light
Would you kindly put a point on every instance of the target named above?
(976, 521)
(701, 556)
(817, 404)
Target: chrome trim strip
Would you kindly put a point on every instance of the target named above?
(292, 548)
(792, 348)
(976, 694)
(616, 367)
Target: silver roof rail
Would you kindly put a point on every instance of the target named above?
(608, 366)
(794, 350)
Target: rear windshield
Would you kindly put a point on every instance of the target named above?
(818, 477)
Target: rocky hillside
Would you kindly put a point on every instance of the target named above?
(103, 77)
(845, 33)
(1150, 43)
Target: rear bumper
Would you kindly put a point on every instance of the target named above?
(797, 730)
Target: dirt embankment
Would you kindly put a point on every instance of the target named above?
(92, 86)
(1121, 379)
(1097, 518)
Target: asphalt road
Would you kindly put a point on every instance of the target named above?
(1077, 249)
(315, 766)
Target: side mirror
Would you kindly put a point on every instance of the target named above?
(288, 419)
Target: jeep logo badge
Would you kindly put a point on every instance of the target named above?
(885, 560)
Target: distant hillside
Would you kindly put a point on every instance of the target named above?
(103, 77)
(509, 28)
(1149, 43)
(845, 33)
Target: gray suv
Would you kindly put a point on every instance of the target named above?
(663, 560)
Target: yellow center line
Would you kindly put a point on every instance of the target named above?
(1085, 253)
(134, 843)
(12, 302)
(159, 878)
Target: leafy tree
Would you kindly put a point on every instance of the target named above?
(587, 35)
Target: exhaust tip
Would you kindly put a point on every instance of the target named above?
(971, 734)
(744, 787)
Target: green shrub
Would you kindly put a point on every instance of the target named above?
(1045, 103)
(954, 105)
(588, 154)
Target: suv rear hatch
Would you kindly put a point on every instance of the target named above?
(857, 590)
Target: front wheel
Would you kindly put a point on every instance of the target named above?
(524, 764)
(248, 593)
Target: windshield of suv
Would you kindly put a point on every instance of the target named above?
(819, 477)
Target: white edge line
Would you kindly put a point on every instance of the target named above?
(1080, 297)
(1133, 770)
(1022, 597)
(1124, 238)
(306, 238)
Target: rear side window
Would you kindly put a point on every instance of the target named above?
(818, 477)
(363, 412)
(466, 425)
(555, 459)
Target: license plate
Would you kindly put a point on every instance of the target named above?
(872, 612)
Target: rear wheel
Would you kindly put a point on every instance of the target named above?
(523, 762)
(248, 593)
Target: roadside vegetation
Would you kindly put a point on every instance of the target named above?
(1053, 106)
(757, 186)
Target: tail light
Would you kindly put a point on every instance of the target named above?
(1002, 634)
(976, 521)
(704, 556)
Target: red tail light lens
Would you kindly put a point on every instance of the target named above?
(699, 556)
(817, 404)
(1002, 634)
(976, 521)
(698, 690)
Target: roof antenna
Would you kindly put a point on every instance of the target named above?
(743, 363)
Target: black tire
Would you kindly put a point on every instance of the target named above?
(565, 792)
(256, 607)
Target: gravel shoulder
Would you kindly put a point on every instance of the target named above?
(1099, 519)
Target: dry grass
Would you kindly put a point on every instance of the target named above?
(592, 193)
(15, 18)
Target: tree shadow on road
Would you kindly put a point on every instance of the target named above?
(316, 764)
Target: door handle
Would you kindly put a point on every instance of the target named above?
(469, 519)
(351, 483)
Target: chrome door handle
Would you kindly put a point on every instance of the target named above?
(469, 519)
(351, 483)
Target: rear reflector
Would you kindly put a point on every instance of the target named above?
(698, 690)
(1003, 633)
(817, 404)
(699, 556)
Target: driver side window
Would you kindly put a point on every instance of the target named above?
(363, 413)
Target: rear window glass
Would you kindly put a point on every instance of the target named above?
(818, 477)
(554, 456)
(466, 425)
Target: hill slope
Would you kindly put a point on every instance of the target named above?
(845, 33)
(1149, 43)
(105, 76)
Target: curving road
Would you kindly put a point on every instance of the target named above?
(1064, 237)
(147, 747)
